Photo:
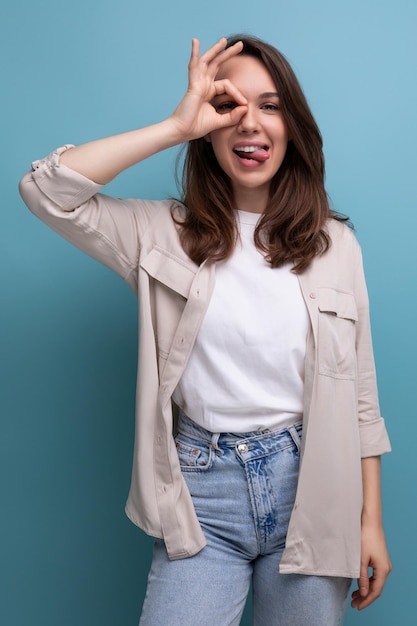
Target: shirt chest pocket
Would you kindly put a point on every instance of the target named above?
(169, 271)
(337, 333)
(170, 282)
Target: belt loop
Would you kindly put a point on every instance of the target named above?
(215, 441)
(295, 437)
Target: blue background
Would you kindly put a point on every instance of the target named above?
(76, 71)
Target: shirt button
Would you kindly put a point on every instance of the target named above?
(312, 295)
(242, 448)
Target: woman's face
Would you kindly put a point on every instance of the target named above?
(250, 152)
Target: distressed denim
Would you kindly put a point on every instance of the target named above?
(243, 488)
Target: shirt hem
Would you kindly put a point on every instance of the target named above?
(288, 569)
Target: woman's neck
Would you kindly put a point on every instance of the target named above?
(251, 200)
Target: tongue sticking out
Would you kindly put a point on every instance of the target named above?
(259, 155)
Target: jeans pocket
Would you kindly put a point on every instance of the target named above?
(193, 456)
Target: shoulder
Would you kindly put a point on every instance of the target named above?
(342, 238)
(162, 231)
(342, 255)
(337, 267)
(155, 214)
(163, 210)
(338, 229)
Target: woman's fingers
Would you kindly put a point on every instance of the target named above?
(215, 56)
(363, 581)
(204, 68)
(224, 86)
(219, 53)
(213, 51)
(231, 118)
(195, 52)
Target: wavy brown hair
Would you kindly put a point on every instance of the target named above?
(293, 225)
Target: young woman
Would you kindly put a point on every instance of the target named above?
(258, 438)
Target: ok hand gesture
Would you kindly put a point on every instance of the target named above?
(195, 116)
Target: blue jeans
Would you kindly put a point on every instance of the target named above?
(243, 488)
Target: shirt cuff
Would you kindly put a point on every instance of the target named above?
(65, 187)
(374, 438)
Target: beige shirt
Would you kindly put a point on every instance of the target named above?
(341, 423)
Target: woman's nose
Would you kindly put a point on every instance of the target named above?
(249, 121)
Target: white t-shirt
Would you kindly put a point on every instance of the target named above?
(246, 370)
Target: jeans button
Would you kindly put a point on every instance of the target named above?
(242, 448)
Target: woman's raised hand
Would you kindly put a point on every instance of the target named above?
(195, 116)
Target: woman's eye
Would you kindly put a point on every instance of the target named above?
(225, 107)
(271, 107)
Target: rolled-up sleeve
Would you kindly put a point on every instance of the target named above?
(373, 435)
(108, 229)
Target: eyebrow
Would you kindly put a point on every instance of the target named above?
(269, 94)
(262, 96)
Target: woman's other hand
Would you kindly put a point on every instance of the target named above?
(374, 553)
(374, 556)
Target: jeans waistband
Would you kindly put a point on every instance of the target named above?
(188, 427)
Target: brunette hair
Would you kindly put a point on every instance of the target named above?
(293, 225)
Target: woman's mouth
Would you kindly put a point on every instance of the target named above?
(254, 152)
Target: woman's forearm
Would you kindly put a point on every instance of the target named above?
(371, 482)
(102, 160)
